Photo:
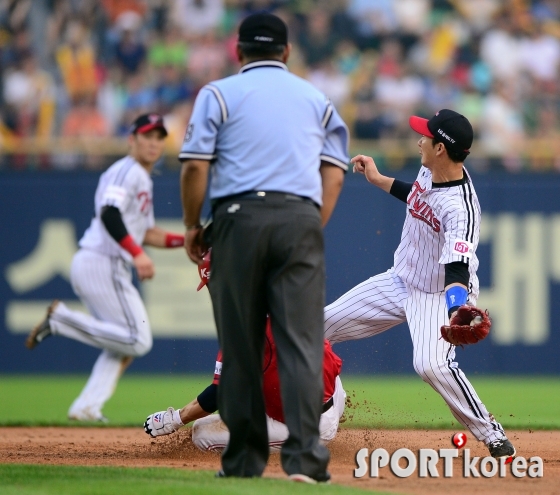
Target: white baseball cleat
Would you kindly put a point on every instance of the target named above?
(161, 423)
(87, 415)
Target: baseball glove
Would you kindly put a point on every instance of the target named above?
(467, 326)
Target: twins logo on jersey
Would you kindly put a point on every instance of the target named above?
(420, 209)
(145, 202)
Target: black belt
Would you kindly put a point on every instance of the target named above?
(262, 195)
(327, 405)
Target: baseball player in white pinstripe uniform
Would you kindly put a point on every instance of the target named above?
(101, 270)
(434, 270)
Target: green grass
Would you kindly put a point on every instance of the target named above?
(408, 402)
(379, 402)
(18, 479)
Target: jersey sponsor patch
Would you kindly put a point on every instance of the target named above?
(463, 248)
(114, 195)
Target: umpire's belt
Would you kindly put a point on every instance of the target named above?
(261, 196)
(327, 405)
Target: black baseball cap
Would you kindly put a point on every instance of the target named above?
(147, 122)
(451, 128)
(263, 28)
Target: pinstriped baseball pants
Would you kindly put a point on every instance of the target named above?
(383, 301)
(118, 324)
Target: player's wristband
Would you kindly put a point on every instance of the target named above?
(128, 244)
(454, 297)
(196, 226)
(174, 240)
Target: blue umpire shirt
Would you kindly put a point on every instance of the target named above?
(265, 129)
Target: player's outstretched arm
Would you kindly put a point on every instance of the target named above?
(192, 411)
(172, 420)
(366, 165)
(157, 237)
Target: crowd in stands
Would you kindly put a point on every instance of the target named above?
(85, 68)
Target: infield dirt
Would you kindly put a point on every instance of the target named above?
(132, 447)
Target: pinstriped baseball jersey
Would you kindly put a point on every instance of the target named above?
(127, 186)
(442, 226)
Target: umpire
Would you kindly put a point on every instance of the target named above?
(276, 150)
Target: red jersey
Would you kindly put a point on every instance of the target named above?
(332, 366)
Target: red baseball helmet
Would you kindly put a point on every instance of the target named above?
(204, 270)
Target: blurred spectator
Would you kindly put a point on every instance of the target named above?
(333, 83)
(130, 52)
(501, 126)
(19, 47)
(544, 152)
(540, 56)
(440, 93)
(30, 94)
(546, 10)
(495, 61)
(443, 42)
(470, 103)
(399, 95)
(173, 89)
(115, 8)
(197, 17)
(140, 98)
(370, 123)
(14, 14)
(84, 120)
(76, 62)
(390, 59)
(170, 49)
(347, 57)
(207, 60)
(412, 16)
(500, 49)
(317, 39)
(373, 17)
(478, 13)
(82, 123)
(112, 99)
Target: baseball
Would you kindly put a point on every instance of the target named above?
(476, 321)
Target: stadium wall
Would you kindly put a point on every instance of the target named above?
(46, 213)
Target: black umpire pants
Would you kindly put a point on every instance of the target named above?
(267, 257)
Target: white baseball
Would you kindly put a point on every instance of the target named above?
(476, 321)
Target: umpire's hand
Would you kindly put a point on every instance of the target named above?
(195, 245)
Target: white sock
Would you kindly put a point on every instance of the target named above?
(100, 385)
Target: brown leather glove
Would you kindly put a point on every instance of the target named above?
(467, 326)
